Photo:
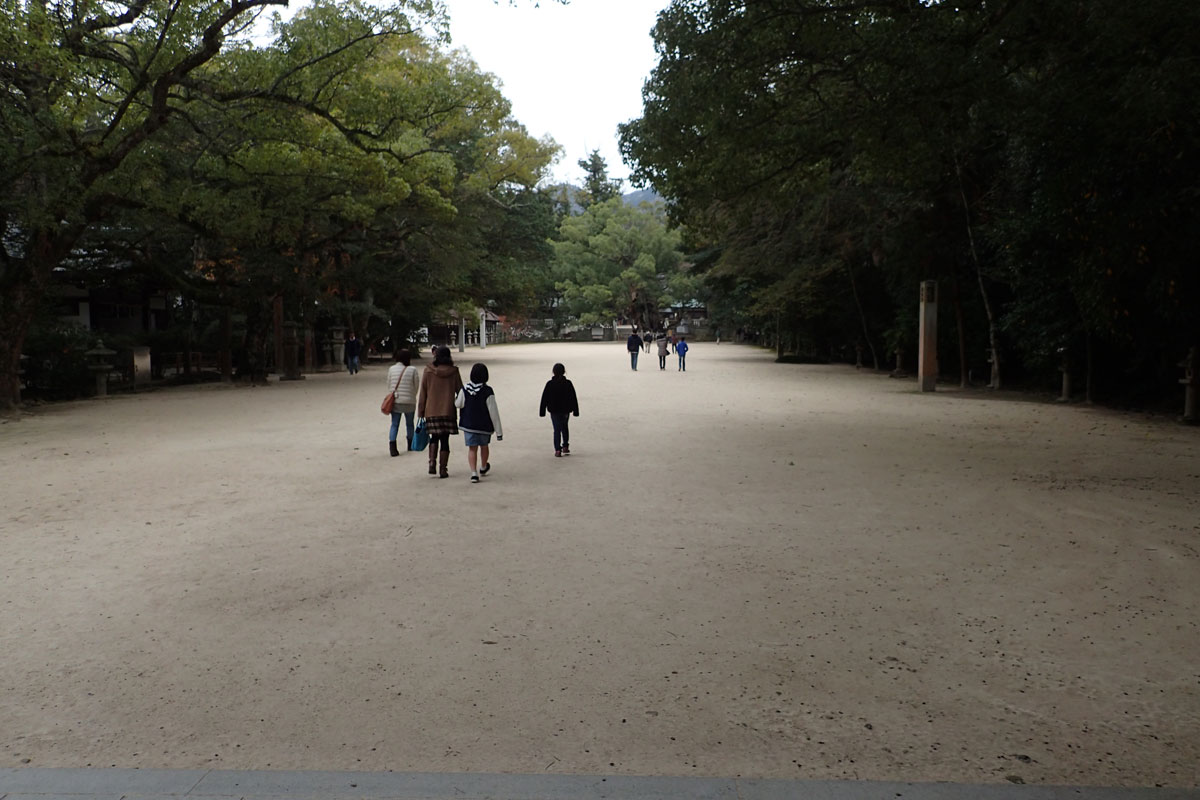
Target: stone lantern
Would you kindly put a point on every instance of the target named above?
(98, 362)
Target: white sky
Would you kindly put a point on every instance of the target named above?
(571, 71)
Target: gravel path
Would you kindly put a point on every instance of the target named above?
(744, 570)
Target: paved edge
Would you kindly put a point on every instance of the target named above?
(114, 784)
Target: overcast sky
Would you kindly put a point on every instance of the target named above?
(573, 72)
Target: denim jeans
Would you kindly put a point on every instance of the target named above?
(633, 354)
(408, 424)
(683, 363)
(352, 364)
(562, 431)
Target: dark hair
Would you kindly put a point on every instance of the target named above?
(403, 356)
(479, 373)
(559, 369)
(442, 356)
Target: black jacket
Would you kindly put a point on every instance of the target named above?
(559, 397)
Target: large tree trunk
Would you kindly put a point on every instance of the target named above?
(24, 288)
(91, 159)
(19, 304)
(1090, 366)
(862, 317)
(12, 333)
(225, 357)
(993, 337)
(960, 321)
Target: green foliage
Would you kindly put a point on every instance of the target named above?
(350, 166)
(617, 262)
(56, 364)
(836, 154)
(597, 187)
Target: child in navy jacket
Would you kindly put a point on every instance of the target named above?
(478, 419)
(559, 399)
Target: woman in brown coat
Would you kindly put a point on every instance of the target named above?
(440, 382)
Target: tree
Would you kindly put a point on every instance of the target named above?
(617, 262)
(88, 87)
(1037, 152)
(597, 188)
(350, 169)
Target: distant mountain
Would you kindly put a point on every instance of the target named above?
(640, 196)
(570, 192)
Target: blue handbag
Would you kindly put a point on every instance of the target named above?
(420, 436)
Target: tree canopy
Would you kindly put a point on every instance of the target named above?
(614, 261)
(597, 186)
(352, 161)
(1037, 159)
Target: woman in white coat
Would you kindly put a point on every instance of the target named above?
(404, 382)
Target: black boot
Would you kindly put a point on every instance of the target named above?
(408, 441)
(433, 454)
(443, 460)
(392, 448)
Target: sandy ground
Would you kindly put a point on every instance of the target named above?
(748, 569)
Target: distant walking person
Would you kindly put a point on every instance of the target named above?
(559, 399)
(479, 419)
(681, 348)
(664, 346)
(440, 384)
(403, 380)
(634, 346)
(353, 351)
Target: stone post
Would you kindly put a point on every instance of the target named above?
(277, 321)
(482, 329)
(927, 366)
(1065, 369)
(1191, 382)
(141, 367)
(462, 333)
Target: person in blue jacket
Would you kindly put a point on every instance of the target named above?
(478, 419)
(681, 348)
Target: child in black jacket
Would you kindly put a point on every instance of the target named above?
(559, 399)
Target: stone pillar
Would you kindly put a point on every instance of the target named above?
(141, 366)
(1191, 383)
(482, 329)
(462, 333)
(927, 366)
(277, 319)
(1065, 369)
(291, 352)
